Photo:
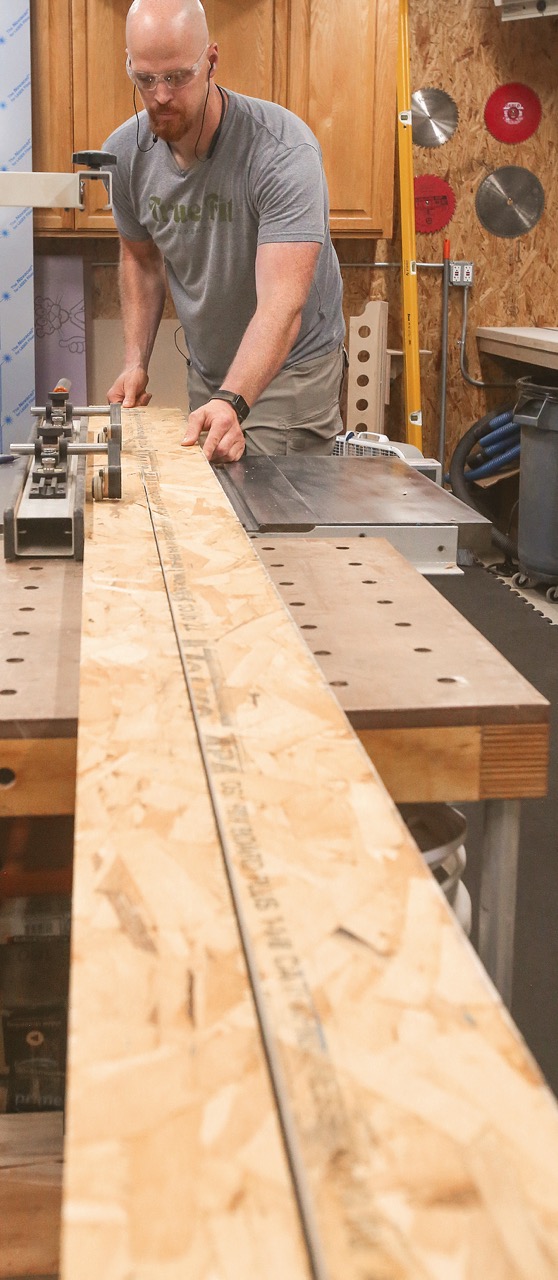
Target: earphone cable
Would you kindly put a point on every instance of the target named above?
(154, 136)
(202, 119)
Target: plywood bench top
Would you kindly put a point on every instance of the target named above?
(40, 624)
(443, 715)
(394, 651)
(40, 627)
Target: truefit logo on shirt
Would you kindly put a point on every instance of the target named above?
(213, 209)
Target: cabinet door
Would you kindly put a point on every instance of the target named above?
(333, 64)
(341, 78)
(102, 91)
(245, 33)
(51, 98)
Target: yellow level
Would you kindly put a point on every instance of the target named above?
(410, 336)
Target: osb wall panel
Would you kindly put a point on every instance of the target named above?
(465, 49)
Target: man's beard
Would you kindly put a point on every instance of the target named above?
(171, 127)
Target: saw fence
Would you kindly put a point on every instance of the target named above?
(285, 1059)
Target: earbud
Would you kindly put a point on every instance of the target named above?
(210, 72)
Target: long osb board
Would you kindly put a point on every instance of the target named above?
(422, 1139)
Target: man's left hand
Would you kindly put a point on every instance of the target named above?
(225, 440)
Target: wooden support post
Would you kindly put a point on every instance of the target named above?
(367, 369)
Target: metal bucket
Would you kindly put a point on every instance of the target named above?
(439, 830)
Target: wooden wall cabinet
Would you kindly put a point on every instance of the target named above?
(51, 99)
(80, 92)
(333, 64)
(341, 78)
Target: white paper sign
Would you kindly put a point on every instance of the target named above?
(17, 346)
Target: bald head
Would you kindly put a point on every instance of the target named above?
(175, 29)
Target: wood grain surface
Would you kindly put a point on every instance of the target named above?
(30, 1195)
(424, 1136)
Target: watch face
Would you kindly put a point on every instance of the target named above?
(238, 403)
(241, 407)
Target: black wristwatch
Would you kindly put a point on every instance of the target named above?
(238, 403)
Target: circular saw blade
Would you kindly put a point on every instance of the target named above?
(513, 112)
(510, 201)
(435, 117)
(434, 203)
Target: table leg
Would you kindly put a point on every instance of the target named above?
(500, 853)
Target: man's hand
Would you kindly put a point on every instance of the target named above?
(225, 440)
(129, 388)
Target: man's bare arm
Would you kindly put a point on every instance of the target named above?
(284, 274)
(142, 297)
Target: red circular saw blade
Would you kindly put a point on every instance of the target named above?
(512, 112)
(434, 203)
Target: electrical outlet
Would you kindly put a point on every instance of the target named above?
(462, 273)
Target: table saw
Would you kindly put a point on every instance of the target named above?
(303, 495)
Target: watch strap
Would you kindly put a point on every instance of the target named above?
(238, 402)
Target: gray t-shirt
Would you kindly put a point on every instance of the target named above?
(264, 183)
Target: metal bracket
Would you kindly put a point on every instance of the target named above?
(47, 519)
(56, 190)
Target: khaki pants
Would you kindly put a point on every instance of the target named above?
(297, 413)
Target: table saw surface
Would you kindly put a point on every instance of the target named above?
(304, 494)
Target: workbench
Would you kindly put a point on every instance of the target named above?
(526, 344)
(213, 759)
(444, 719)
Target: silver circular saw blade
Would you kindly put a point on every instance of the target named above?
(509, 201)
(435, 117)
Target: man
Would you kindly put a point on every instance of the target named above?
(227, 195)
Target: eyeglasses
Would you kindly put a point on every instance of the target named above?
(147, 83)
